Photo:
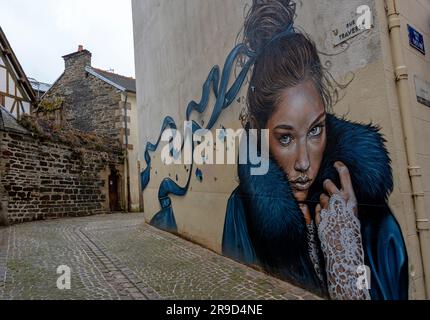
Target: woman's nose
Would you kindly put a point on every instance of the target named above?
(302, 163)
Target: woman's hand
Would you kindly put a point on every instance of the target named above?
(346, 193)
(339, 231)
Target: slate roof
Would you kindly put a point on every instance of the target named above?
(9, 123)
(39, 86)
(128, 83)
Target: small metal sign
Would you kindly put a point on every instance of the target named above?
(416, 40)
(346, 30)
(423, 91)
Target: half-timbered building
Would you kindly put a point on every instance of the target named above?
(16, 93)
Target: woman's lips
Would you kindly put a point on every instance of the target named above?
(302, 186)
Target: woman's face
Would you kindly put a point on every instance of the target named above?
(298, 136)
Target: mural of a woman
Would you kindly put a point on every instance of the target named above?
(321, 214)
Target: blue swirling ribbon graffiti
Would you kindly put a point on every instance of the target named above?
(165, 218)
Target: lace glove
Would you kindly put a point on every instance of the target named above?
(341, 243)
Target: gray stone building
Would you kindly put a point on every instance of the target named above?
(103, 103)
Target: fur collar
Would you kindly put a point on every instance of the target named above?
(362, 149)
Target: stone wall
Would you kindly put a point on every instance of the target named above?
(47, 180)
(3, 208)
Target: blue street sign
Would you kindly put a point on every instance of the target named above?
(416, 40)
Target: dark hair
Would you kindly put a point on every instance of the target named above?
(281, 62)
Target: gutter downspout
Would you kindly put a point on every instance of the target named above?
(402, 81)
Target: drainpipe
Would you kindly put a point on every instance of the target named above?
(127, 163)
(402, 81)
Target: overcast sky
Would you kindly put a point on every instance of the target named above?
(42, 31)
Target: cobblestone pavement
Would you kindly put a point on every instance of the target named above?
(120, 257)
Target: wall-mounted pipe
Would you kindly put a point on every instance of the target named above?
(414, 170)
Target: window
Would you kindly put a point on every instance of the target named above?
(2, 80)
(11, 86)
(26, 107)
(10, 105)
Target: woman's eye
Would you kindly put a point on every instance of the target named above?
(285, 140)
(315, 131)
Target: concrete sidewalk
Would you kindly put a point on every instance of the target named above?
(120, 257)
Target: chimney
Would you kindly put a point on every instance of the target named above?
(78, 60)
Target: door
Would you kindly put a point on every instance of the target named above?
(113, 191)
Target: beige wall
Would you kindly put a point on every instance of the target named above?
(134, 152)
(417, 14)
(401, 199)
(178, 41)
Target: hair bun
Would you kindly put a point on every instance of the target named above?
(265, 19)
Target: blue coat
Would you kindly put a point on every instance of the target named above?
(264, 225)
